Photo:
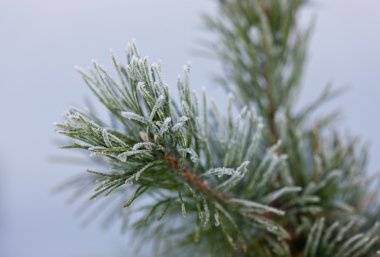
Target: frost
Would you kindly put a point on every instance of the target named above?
(236, 176)
(106, 139)
(191, 152)
(138, 174)
(181, 122)
(147, 145)
(116, 139)
(156, 106)
(279, 193)
(71, 115)
(228, 171)
(186, 108)
(140, 85)
(144, 91)
(221, 172)
(124, 156)
(134, 116)
(207, 212)
(257, 207)
(164, 126)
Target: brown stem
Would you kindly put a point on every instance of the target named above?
(192, 178)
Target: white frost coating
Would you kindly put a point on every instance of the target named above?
(118, 140)
(191, 152)
(186, 108)
(123, 156)
(221, 172)
(140, 85)
(270, 226)
(138, 174)
(73, 119)
(156, 106)
(277, 194)
(106, 138)
(276, 161)
(72, 115)
(147, 145)
(96, 130)
(235, 178)
(96, 148)
(134, 116)
(181, 122)
(258, 207)
(95, 154)
(328, 179)
(134, 69)
(242, 169)
(164, 126)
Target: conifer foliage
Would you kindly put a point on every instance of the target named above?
(259, 178)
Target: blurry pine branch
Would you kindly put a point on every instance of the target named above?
(257, 179)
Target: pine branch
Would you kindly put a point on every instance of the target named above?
(162, 149)
(262, 180)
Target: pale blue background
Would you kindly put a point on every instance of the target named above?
(41, 41)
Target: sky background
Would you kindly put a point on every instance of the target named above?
(42, 40)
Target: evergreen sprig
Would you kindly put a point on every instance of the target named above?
(262, 180)
(180, 155)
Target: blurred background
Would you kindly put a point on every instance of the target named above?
(42, 40)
